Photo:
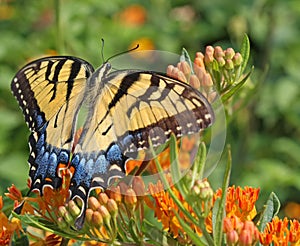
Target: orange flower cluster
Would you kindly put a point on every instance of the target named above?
(281, 232)
(164, 209)
(240, 202)
(8, 227)
(240, 209)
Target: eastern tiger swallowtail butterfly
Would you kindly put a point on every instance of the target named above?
(126, 110)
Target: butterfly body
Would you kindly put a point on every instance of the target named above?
(127, 110)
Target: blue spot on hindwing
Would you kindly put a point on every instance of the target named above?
(41, 142)
(52, 165)
(39, 119)
(78, 164)
(63, 157)
(101, 165)
(43, 163)
(114, 154)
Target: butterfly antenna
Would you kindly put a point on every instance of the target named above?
(124, 52)
(102, 50)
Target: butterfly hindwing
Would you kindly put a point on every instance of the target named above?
(50, 91)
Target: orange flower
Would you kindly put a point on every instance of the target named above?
(49, 240)
(281, 232)
(164, 208)
(134, 15)
(46, 204)
(240, 202)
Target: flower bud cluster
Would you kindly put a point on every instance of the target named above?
(223, 65)
(106, 211)
(240, 233)
(202, 195)
(214, 71)
(100, 217)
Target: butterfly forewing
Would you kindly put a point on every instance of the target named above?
(153, 106)
(50, 91)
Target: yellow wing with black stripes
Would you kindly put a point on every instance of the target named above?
(50, 92)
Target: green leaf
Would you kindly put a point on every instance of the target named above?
(132, 230)
(219, 213)
(233, 89)
(271, 209)
(185, 57)
(156, 236)
(199, 164)
(245, 52)
(175, 167)
(38, 222)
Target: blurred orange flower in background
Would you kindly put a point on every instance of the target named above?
(133, 15)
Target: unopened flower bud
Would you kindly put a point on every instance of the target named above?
(61, 223)
(218, 52)
(181, 77)
(114, 193)
(102, 198)
(88, 215)
(112, 207)
(105, 214)
(138, 186)
(93, 203)
(221, 61)
(170, 69)
(229, 64)
(73, 208)
(199, 60)
(62, 210)
(245, 238)
(130, 198)
(209, 55)
(232, 238)
(123, 187)
(209, 50)
(229, 53)
(97, 219)
(207, 80)
(206, 191)
(1, 203)
(194, 81)
(208, 59)
(237, 59)
(227, 224)
(68, 217)
(195, 190)
(185, 68)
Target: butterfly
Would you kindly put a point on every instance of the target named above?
(127, 110)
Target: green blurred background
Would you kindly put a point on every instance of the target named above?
(264, 135)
